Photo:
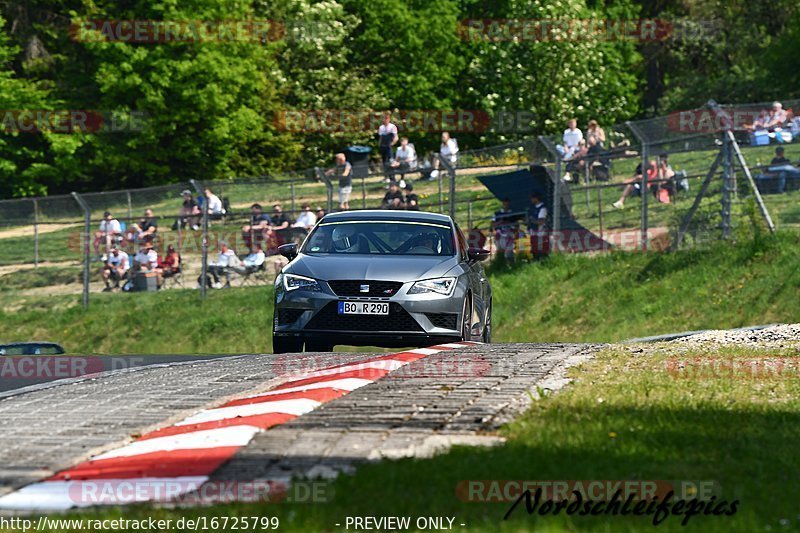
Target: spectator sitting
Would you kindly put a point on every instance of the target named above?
(578, 160)
(252, 262)
(505, 225)
(116, 268)
(343, 171)
(213, 205)
(110, 229)
(412, 200)
(306, 220)
(170, 263)
(781, 168)
(596, 133)
(760, 123)
(146, 259)
(226, 260)
(278, 231)
(387, 138)
(634, 183)
(571, 139)
(777, 117)
(258, 226)
(190, 212)
(393, 199)
(405, 159)
(146, 228)
(319, 212)
(448, 151)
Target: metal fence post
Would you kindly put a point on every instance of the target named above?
(363, 192)
(644, 190)
(87, 232)
(551, 149)
(204, 247)
(469, 215)
(35, 233)
(130, 207)
(294, 198)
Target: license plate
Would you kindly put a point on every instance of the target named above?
(363, 308)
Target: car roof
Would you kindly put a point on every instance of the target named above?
(384, 214)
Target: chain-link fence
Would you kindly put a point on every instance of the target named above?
(643, 185)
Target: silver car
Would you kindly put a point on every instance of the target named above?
(381, 278)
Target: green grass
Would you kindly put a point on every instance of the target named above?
(44, 276)
(572, 298)
(626, 417)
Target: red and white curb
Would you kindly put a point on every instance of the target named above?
(170, 463)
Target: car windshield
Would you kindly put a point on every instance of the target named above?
(381, 238)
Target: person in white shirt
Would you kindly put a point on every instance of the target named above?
(146, 259)
(226, 260)
(571, 139)
(387, 137)
(405, 158)
(448, 150)
(109, 229)
(306, 219)
(776, 117)
(252, 262)
(213, 204)
(116, 268)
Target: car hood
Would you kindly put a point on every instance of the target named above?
(359, 267)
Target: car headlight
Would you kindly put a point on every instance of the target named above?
(293, 282)
(443, 286)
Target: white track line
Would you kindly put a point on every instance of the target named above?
(298, 406)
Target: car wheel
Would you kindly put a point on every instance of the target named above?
(319, 346)
(466, 320)
(487, 326)
(287, 345)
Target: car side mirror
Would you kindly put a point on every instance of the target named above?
(478, 254)
(289, 251)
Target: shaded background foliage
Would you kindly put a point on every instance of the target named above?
(211, 108)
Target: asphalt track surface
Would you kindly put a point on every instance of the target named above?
(31, 372)
(257, 419)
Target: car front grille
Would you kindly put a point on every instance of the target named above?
(382, 289)
(289, 316)
(329, 318)
(443, 320)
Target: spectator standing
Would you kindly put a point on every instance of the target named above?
(190, 212)
(571, 139)
(393, 199)
(306, 220)
(116, 268)
(537, 227)
(109, 230)
(412, 200)
(344, 171)
(387, 138)
(146, 228)
(594, 131)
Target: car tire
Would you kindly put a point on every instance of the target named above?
(466, 320)
(486, 337)
(319, 346)
(287, 345)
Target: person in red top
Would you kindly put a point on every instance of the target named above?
(169, 264)
(635, 183)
